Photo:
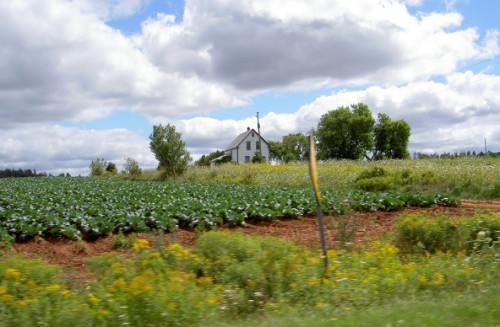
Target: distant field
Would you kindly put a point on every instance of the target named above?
(474, 178)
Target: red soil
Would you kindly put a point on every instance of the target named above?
(72, 255)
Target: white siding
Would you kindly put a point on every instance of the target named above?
(240, 153)
(243, 152)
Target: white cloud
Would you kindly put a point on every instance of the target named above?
(110, 9)
(55, 149)
(257, 45)
(58, 63)
(451, 116)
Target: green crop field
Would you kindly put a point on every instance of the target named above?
(82, 207)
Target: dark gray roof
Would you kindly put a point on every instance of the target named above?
(237, 141)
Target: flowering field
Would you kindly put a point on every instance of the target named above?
(226, 276)
(90, 208)
(468, 177)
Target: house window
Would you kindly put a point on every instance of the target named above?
(249, 145)
(253, 134)
(264, 159)
(247, 159)
(257, 145)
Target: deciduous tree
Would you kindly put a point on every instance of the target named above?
(391, 138)
(292, 148)
(98, 167)
(169, 149)
(345, 133)
(131, 167)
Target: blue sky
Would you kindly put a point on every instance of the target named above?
(85, 79)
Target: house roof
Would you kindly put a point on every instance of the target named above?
(237, 141)
(218, 158)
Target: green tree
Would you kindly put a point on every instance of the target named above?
(345, 133)
(131, 167)
(293, 147)
(276, 151)
(111, 168)
(391, 138)
(296, 147)
(98, 167)
(169, 149)
(257, 158)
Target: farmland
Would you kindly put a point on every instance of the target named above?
(439, 265)
(471, 178)
(90, 208)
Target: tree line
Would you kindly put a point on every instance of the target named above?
(6, 173)
(349, 133)
(462, 154)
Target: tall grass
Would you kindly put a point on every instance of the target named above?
(469, 177)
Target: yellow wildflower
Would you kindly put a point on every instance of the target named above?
(118, 284)
(171, 306)
(408, 266)
(438, 278)
(313, 261)
(6, 298)
(140, 284)
(155, 255)
(53, 287)
(93, 299)
(141, 244)
(205, 281)
(3, 289)
(313, 281)
(422, 279)
(212, 300)
(12, 273)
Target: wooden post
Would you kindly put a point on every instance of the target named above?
(313, 171)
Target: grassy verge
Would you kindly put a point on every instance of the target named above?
(478, 308)
(237, 279)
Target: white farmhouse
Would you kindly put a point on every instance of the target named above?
(246, 145)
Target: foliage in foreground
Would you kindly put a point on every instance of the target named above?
(419, 232)
(229, 276)
(476, 308)
(95, 207)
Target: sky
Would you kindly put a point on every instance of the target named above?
(87, 79)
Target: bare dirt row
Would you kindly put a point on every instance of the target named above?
(72, 255)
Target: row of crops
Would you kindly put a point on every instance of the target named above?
(83, 207)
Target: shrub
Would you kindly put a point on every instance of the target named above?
(373, 172)
(418, 232)
(377, 184)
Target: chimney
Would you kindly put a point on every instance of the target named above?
(248, 128)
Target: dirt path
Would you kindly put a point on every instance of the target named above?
(73, 255)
